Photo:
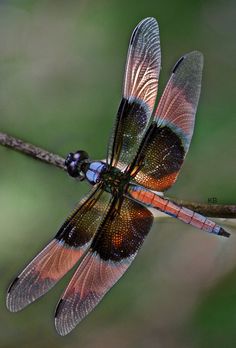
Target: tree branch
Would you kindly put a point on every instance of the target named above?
(211, 210)
(32, 151)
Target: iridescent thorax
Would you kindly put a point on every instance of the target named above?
(115, 181)
(79, 166)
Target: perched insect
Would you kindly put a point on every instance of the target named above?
(145, 154)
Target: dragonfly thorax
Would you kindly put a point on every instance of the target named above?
(115, 180)
(80, 167)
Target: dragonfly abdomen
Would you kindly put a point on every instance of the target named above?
(188, 216)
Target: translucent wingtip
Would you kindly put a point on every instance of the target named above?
(11, 302)
(193, 59)
(63, 324)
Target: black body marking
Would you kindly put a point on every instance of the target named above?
(177, 64)
(58, 307)
(13, 283)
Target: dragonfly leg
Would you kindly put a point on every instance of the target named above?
(164, 205)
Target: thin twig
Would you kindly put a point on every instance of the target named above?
(211, 210)
(32, 150)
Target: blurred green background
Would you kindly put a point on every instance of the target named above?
(61, 71)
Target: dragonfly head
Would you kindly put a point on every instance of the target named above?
(76, 163)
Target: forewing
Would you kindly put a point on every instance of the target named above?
(139, 93)
(61, 254)
(113, 249)
(168, 139)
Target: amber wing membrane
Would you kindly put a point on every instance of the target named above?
(167, 141)
(114, 247)
(61, 254)
(139, 93)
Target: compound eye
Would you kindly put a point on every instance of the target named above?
(72, 168)
(75, 163)
(81, 155)
(69, 159)
(73, 171)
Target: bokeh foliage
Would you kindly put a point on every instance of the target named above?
(61, 71)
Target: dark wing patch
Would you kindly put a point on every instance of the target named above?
(61, 254)
(133, 118)
(112, 251)
(139, 93)
(81, 225)
(178, 104)
(165, 145)
(162, 156)
(123, 231)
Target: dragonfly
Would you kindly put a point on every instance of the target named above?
(145, 153)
